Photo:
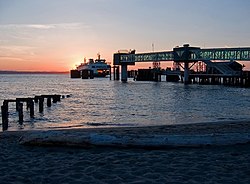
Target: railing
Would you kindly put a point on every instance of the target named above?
(147, 57)
(239, 54)
(185, 54)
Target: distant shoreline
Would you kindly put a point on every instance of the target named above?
(32, 72)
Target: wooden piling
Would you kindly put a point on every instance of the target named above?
(49, 102)
(56, 98)
(31, 108)
(30, 105)
(17, 105)
(6, 105)
(20, 113)
(4, 110)
(27, 104)
(41, 100)
(36, 99)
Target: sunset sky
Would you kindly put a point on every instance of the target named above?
(55, 35)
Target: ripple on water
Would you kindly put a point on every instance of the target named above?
(101, 102)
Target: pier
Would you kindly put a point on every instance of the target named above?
(186, 57)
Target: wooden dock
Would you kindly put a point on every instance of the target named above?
(29, 106)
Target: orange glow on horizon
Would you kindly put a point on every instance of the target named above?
(66, 62)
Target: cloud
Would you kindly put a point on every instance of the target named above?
(33, 34)
(73, 25)
(40, 26)
(6, 58)
(9, 51)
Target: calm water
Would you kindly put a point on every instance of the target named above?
(101, 102)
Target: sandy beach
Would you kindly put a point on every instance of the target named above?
(63, 164)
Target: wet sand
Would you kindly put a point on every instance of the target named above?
(53, 164)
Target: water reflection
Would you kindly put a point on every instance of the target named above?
(101, 102)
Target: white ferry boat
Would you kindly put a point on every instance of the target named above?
(99, 66)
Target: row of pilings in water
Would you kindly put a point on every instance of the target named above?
(30, 105)
(242, 80)
(238, 81)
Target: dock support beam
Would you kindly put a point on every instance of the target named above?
(186, 72)
(124, 73)
(116, 73)
(110, 77)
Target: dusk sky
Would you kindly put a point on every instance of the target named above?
(54, 35)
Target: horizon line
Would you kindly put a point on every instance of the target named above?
(31, 72)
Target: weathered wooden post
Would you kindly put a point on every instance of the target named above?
(5, 103)
(17, 104)
(31, 108)
(36, 99)
(4, 110)
(56, 98)
(48, 102)
(28, 103)
(4, 118)
(41, 100)
(20, 113)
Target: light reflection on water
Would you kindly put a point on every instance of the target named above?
(101, 102)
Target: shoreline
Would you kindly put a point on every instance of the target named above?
(181, 135)
(70, 165)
